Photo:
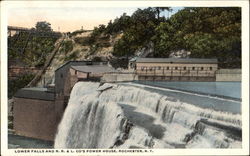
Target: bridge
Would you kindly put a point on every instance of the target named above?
(14, 35)
(33, 31)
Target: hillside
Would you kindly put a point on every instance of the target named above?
(212, 33)
(75, 47)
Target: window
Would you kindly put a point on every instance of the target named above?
(201, 68)
(211, 68)
(75, 72)
(184, 68)
(142, 68)
(193, 68)
(61, 75)
(159, 68)
(167, 68)
(176, 68)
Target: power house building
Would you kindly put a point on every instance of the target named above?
(176, 69)
(38, 111)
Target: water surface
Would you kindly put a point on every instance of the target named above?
(224, 89)
(208, 95)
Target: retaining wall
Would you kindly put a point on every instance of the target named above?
(228, 75)
(119, 77)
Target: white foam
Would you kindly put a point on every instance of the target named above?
(94, 117)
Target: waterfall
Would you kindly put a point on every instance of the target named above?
(124, 116)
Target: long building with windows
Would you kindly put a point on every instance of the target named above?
(176, 69)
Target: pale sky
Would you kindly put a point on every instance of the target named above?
(66, 19)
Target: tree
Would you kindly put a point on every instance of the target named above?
(212, 32)
(120, 24)
(138, 32)
(43, 26)
(205, 32)
(158, 10)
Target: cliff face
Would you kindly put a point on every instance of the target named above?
(80, 47)
(86, 48)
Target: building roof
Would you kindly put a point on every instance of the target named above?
(35, 93)
(94, 69)
(176, 60)
(133, 59)
(79, 63)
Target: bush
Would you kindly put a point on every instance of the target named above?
(119, 63)
(97, 59)
(67, 46)
(98, 30)
(84, 41)
(72, 56)
(93, 49)
(104, 44)
(76, 32)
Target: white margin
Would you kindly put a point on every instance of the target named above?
(244, 4)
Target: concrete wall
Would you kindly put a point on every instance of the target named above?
(34, 118)
(228, 75)
(118, 77)
(179, 65)
(61, 103)
(123, 77)
(175, 78)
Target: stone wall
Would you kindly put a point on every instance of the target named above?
(125, 77)
(228, 75)
(15, 71)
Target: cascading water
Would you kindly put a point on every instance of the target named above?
(123, 116)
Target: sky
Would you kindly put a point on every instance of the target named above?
(68, 19)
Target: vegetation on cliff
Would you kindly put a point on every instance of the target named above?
(30, 48)
(15, 84)
(206, 32)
